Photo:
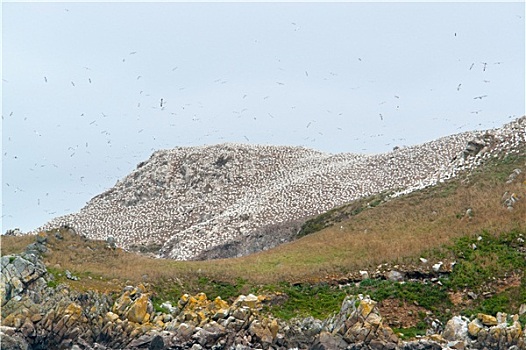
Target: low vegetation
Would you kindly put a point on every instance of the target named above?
(462, 220)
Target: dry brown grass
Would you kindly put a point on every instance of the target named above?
(13, 245)
(399, 230)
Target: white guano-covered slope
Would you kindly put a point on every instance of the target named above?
(189, 199)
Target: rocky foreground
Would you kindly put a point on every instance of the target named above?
(38, 315)
(184, 202)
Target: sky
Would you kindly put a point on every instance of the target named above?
(89, 90)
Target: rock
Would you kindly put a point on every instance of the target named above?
(456, 345)
(474, 147)
(474, 327)
(13, 232)
(261, 333)
(513, 175)
(395, 276)
(487, 320)
(13, 342)
(472, 295)
(111, 243)
(157, 343)
(168, 307)
(209, 334)
(456, 329)
(69, 276)
(242, 313)
(328, 341)
(138, 311)
(358, 321)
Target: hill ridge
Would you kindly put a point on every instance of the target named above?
(187, 200)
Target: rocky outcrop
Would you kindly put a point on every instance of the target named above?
(186, 201)
(38, 315)
(358, 324)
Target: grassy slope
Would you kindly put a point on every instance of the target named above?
(430, 223)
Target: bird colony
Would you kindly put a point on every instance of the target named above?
(190, 199)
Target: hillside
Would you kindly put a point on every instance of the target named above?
(454, 248)
(186, 202)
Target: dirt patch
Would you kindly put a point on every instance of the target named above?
(400, 314)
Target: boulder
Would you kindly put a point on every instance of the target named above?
(456, 329)
(394, 276)
(138, 311)
(487, 320)
(358, 321)
(474, 327)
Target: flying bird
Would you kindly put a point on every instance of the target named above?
(458, 87)
(471, 66)
(484, 68)
(381, 116)
(133, 52)
(89, 79)
(161, 102)
(72, 83)
(45, 79)
(480, 97)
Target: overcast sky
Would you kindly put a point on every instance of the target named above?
(82, 84)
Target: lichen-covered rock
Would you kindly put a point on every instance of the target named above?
(18, 272)
(359, 322)
(487, 320)
(138, 310)
(474, 327)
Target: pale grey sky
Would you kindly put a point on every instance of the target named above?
(83, 82)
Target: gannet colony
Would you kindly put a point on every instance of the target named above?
(190, 199)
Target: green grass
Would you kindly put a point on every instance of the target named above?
(319, 301)
(411, 332)
(428, 295)
(494, 257)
